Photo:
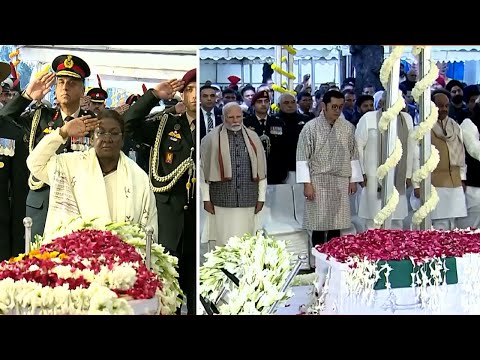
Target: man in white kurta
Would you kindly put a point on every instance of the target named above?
(234, 181)
(471, 140)
(79, 188)
(328, 166)
(369, 144)
(450, 173)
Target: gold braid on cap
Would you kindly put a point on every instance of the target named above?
(32, 182)
(175, 175)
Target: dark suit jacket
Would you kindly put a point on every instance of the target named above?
(173, 204)
(217, 118)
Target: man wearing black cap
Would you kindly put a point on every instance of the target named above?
(458, 110)
(172, 169)
(70, 73)
(97, 99)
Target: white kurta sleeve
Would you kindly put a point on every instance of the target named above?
(262, 190)
(410, 145)
(357, 173)
(463, 168)
(43, 159)
(304, 152)
(471, 138)
(415, 149)
(361, 138)
(204, 186)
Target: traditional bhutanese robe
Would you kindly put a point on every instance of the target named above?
(327, 157)
(78, 187)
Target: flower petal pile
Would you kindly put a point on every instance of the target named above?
(402, 245)
(88, 271)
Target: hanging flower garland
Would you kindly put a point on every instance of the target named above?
(387, 117)
(421, 86)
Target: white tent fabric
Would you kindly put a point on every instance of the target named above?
(262, 53)
(122, 62)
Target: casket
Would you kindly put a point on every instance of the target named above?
(458, 294)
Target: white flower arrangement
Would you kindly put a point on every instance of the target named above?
(425, 83)
(388, 209)
(428, 167)
(22, 297)
(391, 113)
(262, 266)
(163, 264)
(426, 125)
(417, 49)
(388, 63)
(391, 161)
(426, 208)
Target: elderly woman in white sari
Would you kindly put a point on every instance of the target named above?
(100, 183)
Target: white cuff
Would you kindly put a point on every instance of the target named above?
(262, 190)
(303, 172)
(357, 175)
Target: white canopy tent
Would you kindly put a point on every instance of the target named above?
(123, 67)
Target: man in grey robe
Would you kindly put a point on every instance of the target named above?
(328, 166)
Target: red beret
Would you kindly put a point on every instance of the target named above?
(260, 95)
(97, 95)
(189, 77)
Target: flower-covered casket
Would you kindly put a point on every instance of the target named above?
(400, 272)
(96, 269)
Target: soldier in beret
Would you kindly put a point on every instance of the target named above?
(69, 75)
(271, 131)
(172, 138)
(13, 182)
(97, 99)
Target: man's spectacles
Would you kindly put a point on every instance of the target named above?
(103, 134)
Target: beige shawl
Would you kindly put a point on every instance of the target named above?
(450, 132)
(215, 155)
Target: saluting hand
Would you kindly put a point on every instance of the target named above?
(79, 127)
(167, 89)
(41, 86)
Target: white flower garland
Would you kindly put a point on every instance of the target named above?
(428, 167)
(388, 209)
(417, 49)
(426, 208)
(262, 266)
(388, 63)
(425, 83)
(391, 161)
(471, 284)
(391, 114)
(426, 125)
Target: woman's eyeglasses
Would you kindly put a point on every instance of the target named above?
(103, 134)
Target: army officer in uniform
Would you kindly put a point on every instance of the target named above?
(70, 73)
(13, 182)
(172, 169)
(270, 129)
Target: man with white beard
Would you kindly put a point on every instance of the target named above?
(450, 174)
(234, 172)
(370, 201)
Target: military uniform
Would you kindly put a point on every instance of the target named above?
(40, 123)
(172, 150)
(272, 135)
